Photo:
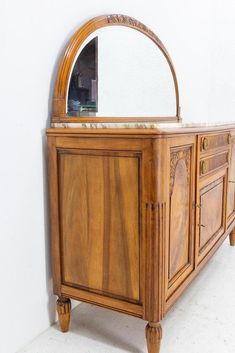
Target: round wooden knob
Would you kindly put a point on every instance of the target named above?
(205, 143)
(203, 167)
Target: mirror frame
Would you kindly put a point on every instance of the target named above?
(59, 109)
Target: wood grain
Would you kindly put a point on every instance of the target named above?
(125, 216)
(63, 310)
(213, 141)
(179, 211)
(232, 238)
(100, 233)
(109, 302)
(180, 238)
(211, 222)
(211, 164)
(153, 332)
(54, 215)
(231, 185)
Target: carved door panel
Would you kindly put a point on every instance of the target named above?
(231, 185)
(211, 215)
(180, 247)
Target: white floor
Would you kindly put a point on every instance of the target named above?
(202, 321)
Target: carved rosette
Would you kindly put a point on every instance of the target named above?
(153, 332)
(176, 156)
(130, 21)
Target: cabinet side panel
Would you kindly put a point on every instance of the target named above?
(54, 214)
(231, 186)
(100, 233)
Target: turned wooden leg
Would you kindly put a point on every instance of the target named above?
(232, 238)
(64, 309)
(153, 333)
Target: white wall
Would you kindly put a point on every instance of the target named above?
(200, 38)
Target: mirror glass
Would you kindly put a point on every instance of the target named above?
(120, 72)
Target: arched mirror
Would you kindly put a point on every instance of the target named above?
(116, 69)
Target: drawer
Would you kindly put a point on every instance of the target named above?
(210, 142)
(212, 163)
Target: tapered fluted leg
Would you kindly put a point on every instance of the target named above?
(153, 333)
(232, 238)
(64, 309)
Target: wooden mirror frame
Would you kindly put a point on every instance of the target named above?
(59, 110)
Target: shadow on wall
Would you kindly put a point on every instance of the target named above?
(48, 266)
(49, 287)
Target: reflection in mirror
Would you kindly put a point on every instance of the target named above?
(126, 72)
(82, 97)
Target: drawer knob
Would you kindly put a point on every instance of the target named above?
(203, 167)
(205, 143)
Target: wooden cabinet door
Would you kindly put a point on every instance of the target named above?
(180, 235)
(99, 216)
(99, 188)
(231, 184)
(211, 214)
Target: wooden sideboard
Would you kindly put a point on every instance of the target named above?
(136, 214)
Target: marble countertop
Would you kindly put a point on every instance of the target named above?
(141, 125)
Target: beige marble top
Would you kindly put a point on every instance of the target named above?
(143, 125)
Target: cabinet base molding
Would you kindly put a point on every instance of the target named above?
(153, 332)
(63, 310)
(232, 238)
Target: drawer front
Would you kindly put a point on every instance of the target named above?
(210, 164)
(210, 142)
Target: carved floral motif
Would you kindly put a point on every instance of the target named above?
(176, 156)
(129, 21)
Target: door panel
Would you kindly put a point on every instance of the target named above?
(181, 234)
(100, 233)
(179, 225)
(211, 221)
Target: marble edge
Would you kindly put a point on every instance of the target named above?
(144, 125)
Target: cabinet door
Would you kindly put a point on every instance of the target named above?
(231, 185)
(211, 215)
(180, 245)
(99, 221)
